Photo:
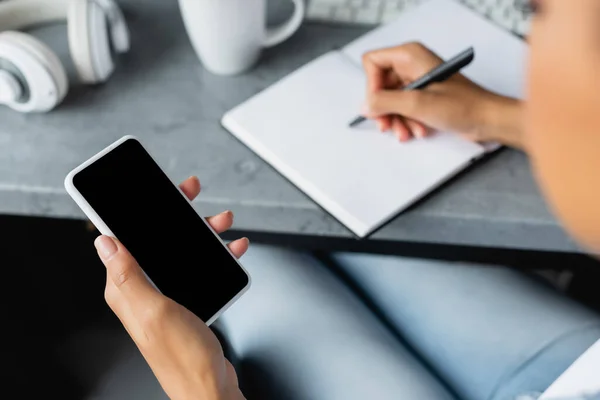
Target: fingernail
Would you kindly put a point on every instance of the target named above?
(419, 134)
(106, 247)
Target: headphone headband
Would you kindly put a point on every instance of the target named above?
(22, 14)
(117, 24)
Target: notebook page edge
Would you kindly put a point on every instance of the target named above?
(451, 174)
(355, 225)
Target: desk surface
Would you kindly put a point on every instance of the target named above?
(161, 94)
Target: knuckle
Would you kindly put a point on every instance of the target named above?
(231, 373)
(372, 103)
(414, 46)
(122, 274)
(418, 52)
(111, 297)
(415, 50)
(414, 101)
(154, 314)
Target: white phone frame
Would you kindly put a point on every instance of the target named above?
(105, 230)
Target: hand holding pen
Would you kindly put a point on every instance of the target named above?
(456, 104)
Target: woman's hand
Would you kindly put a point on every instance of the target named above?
(182, 351)
(456, 105)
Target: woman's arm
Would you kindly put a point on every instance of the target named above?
(503, 122)
(456, 105)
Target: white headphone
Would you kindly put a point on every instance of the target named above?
(32, 78)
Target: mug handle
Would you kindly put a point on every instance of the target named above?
(282, 32)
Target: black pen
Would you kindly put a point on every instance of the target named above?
(438, 74)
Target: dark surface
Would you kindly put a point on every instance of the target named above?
(52, 287)
(60, 337)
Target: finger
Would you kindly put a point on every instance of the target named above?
(124, 272)
(239, 247)
(221, 222)
(409, 61)
(118, 304)
(410, 104)
(400, 129)
(384, 123)
(416, 128)
(392, 80)
(191, 187)
(231, 374)
(375, 72)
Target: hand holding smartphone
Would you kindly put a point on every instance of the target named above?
(126, 195)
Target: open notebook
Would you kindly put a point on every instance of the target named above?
(361, 177)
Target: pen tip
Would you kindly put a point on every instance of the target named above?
(356, 121)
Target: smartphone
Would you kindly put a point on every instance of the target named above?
(126, 195)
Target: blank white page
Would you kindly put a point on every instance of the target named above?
(447, 27)
(360, 176)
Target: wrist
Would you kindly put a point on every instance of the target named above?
(221, 388)
(207, 387)
(231, 393)
(502, 121)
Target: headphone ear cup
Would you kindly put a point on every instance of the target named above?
(89, 41)
(38, 67)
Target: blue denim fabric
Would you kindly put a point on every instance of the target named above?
(375, 327)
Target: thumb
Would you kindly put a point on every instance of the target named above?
(123, 270)
(398, 102)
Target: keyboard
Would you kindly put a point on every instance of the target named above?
(508, 14)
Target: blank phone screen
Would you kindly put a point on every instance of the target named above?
(170, 241)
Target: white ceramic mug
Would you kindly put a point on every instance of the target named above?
(229, 35)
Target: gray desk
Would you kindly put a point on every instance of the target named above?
(161, 94)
